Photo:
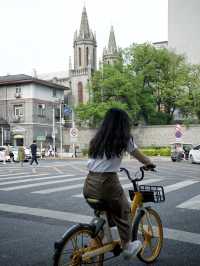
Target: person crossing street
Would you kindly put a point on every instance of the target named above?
(34, 152)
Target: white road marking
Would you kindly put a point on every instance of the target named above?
(77, 168)
(34, 170)
(58, 170)
(21, 177)
(192, 204)
(36, 179)
(172, 234)
(179, 185)
(7, 175)
(51, 190)
(63, 216)
(39, 184)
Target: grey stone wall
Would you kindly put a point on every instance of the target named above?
(144, 135)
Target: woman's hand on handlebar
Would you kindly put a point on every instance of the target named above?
(149, 167)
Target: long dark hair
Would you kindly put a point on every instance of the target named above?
(113, 135)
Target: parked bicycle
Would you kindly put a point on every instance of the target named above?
(92, 244)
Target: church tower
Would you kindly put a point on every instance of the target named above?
(111, 53)
(85, 58)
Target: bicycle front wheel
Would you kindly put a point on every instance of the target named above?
(75, 243)
(148, 229)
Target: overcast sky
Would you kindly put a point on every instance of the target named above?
(38, 34)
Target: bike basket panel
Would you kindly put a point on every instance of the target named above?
(150, 193)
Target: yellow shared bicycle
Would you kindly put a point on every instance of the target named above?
(94, 243)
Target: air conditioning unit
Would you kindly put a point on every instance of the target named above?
(17, 95)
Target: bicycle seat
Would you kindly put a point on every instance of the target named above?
(96, 204)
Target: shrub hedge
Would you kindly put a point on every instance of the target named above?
(156, 151)
(149, 151)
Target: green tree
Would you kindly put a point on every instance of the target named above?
(111, 86)
(149, 83)
(163, 76)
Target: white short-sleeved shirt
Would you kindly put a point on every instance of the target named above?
(109, 165)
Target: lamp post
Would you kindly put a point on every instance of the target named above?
(53, 130)
(59, 101)
(2, 138)
(61, 135)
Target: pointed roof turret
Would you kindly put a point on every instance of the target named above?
(112, 47)
(84, 32)
(111, 53)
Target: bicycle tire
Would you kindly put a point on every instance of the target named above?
(142, 231)
(74, 253)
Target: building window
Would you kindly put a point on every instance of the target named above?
(41, 109)
(19, 110)
(87, 56)
(18, 90)
(79, 55)
(54, 92)
(80, 92)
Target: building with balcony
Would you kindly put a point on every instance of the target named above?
(27, 105)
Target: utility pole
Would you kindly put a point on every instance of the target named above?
(73, 126)
(61, 135)
(2, 136)
(53, 130)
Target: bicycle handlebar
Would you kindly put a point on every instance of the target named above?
(142, 169)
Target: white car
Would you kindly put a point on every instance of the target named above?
(3, 156)
(194, 155)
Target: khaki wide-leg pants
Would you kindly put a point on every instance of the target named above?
(106, 186)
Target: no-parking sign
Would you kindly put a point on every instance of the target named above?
(73, 134)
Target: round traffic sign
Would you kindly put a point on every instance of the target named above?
(73, 132)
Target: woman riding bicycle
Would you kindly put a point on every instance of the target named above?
(106, 150)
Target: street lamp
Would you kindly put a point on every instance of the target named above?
(60, 102)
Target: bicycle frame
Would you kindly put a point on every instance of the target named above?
(112, 244)
(99, 245)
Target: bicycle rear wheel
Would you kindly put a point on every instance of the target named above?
(75, 243)
(148, 229)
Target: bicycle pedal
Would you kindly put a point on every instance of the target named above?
(57, 244)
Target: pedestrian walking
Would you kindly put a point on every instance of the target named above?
(21, 155)
(34, 152)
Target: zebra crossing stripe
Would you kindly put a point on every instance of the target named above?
(172, 234)
(192, 204)
(7, 175)
(34, 179)
(63, 216)
(179, 185)
(42, 184)
(51, 190)
(20, 177)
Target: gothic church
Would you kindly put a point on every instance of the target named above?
(84, 62)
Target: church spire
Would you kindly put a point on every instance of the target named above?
(112, 47)
(84, 32)
(110, 53)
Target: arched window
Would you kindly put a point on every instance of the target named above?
(79, 55)
(80, 92)
(87, 56)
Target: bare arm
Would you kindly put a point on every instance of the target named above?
(141, 157)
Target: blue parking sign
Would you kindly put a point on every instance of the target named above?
(67, 110)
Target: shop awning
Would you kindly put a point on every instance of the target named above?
(18, 137)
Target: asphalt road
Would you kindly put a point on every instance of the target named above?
(38, 204)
